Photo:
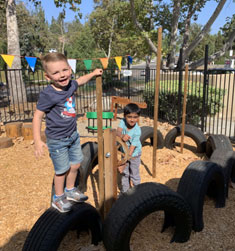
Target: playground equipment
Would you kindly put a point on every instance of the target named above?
(115, 101)
(182, 209)
(92, 120)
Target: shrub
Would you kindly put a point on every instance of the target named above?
(168, 101)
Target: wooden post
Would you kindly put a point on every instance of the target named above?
(159, 48)
(110, 169)
(100, 142)
(184, 107)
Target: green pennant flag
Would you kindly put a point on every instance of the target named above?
(87, 63)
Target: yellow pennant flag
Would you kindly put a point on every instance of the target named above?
(8, 59)
(119, 62)
(104, 62)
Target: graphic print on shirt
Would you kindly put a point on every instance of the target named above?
(69, 110)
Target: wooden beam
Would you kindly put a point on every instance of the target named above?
(184, 108)
(110, 169)
(100, 143)
(159, 48)
(123, 101)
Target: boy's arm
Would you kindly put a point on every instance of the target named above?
(84, 79)
(38, 143)
(124, 137)
(131, 150)
(119, 132)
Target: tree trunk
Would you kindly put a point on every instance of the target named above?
(140, 28)
(175, 20)
(14, 78)
(205, 29)
(217, 54)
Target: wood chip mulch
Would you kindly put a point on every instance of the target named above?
(25, 185)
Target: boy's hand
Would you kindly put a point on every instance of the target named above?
(125, 137)
(39, 148)
(121, 168)
(98, 72)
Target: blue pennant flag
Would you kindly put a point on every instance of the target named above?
(31, 61)
(130, 59)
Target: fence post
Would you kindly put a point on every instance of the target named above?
(180, 63)
(205, 83)
(128, 78)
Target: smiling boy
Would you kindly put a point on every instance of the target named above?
(57, 102)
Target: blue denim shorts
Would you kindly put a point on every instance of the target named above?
(65, 152)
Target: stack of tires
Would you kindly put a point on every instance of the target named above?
(183, 209)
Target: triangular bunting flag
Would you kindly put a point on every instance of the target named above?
(8, 59)
(72, 63)
(119, 62)
(130, 59)
(104, 62)
(88, 63)
(31, 61)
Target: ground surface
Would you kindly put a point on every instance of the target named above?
(25, 185)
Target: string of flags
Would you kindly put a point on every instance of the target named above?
(72, 62)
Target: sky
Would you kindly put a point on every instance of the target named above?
(87, 6)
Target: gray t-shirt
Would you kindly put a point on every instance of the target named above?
(59, 107)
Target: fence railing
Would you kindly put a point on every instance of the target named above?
(210, 95)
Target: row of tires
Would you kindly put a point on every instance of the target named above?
(183, 209)
(204, 145)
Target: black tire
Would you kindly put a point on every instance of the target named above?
(194, 185)
(226, 159)
(219, 141)
(135, 205)
(189, 131)
(147, 133)
(90, 152)
(50, 229)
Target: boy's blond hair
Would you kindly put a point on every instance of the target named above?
(52, 57)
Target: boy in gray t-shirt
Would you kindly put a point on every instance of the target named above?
(57, 102)
(130, 133)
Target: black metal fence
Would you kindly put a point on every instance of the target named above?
(210, 95)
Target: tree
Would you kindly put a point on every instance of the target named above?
(13, 48)
(57, 29)
(13, 44)
(3, 31)
(188, 10)
(205, 29)
(82, 45)
(229, 35)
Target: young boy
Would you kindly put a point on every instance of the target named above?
(130, 133)
(57, 102)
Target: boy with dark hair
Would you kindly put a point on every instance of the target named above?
(130, 133)
(57, 102)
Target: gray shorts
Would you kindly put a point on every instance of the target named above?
(65, 152)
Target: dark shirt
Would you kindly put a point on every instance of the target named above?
(59, 107)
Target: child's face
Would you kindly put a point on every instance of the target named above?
(59, 73)
(132, 119)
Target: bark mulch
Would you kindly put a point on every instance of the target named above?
(26, 182)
